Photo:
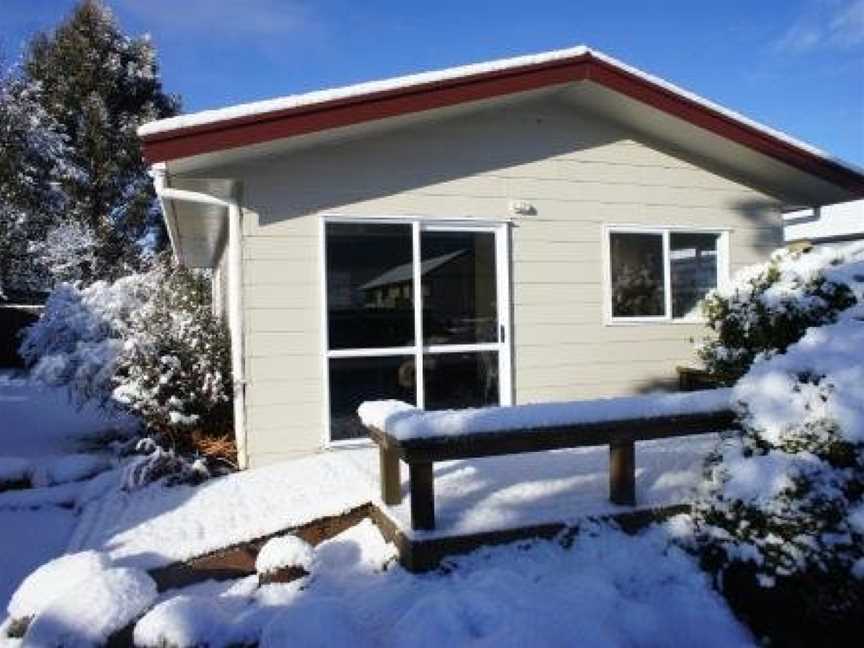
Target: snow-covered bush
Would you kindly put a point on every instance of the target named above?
(78, 599)
(78, 340)
(147, 344)
(153, 463)
(783, 507)
(284, 552)
(769, 306)
(174, 369)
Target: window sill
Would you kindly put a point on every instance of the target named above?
(648, 321)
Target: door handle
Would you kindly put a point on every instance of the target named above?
(502, 334)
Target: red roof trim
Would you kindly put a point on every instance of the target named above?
(255, 129)
(721, 124)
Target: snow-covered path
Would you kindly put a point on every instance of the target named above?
(39, 422)
(39, 429)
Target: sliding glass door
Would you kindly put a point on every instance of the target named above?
(416, 312)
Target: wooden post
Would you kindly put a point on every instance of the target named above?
(422, 496)
(391, 484)
(622, 473)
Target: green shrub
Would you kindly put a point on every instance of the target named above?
(768, 307)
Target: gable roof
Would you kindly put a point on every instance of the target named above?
(254, 123)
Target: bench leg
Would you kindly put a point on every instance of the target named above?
(622, 473)
(391, 485)
(422, 496)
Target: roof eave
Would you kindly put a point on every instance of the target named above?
(278, 124)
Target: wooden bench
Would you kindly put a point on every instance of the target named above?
(620, 435)
(694, 379)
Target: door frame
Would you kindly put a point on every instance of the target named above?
(501, 230)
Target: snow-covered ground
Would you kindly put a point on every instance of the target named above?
(494, 493)
(156, 526)
(42, 436)
(607, 589)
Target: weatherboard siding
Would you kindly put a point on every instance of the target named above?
(578, 172)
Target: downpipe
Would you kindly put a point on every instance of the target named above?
(235, 283)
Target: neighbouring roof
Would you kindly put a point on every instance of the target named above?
(830, 224)
(254, 123)
(405, 272)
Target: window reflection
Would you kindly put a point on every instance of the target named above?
(459, 287)
(637, 275)
(457, 380)
(693, 270)
(369, 301)
(354, 380)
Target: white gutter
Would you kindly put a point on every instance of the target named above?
(235, 269)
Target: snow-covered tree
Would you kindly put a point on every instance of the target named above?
(99, 85)
(769, 306)
(67, 252)
(33, 166)
(783, 506)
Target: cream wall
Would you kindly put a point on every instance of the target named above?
(579, 172)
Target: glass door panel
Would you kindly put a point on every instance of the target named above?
(370, 295)
(458, 271)
(457, 380)
(354, 380)
(439, 347)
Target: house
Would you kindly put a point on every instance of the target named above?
(831, 225)
(531, 229)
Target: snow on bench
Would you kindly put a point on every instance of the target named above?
(421, 438)
(406, 422)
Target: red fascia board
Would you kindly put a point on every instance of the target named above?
(724, 125)
(254, 129)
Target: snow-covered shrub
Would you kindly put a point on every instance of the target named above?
(77, 600)
(77, 341)
(92, 611)
(769, 306)
(783, 507)
(147, 344)
(284, 552)
(154, 463)
(174, 369)
(52, 580)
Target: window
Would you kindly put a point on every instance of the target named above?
(661, 274)
(414, 313)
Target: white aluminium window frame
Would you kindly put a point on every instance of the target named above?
(418, 350)
(665, 232)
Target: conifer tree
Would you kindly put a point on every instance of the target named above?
(99, 85)
(33, 165)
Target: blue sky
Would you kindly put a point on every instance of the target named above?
(796, 65)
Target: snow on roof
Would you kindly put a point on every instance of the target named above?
(258, 108)
(351, 91)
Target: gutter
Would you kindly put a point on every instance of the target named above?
(167, 195)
